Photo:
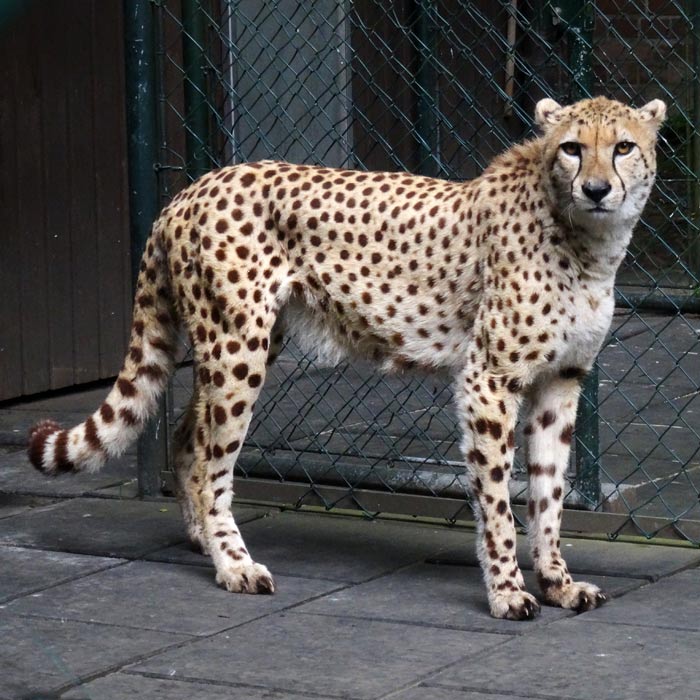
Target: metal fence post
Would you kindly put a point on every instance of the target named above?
(694, 158)
(578, 21)
(195, 89)
(143, 196)
(427, 128)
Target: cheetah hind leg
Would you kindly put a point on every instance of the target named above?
(186, 482)
(223, 412)
(276, 339)
(188, 490)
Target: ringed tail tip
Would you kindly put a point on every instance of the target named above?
(38, 435)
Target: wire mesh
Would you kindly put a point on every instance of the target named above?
(439, 87)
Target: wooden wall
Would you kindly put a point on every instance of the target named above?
(64, 242)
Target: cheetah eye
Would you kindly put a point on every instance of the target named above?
(571, 148)
(623, 148)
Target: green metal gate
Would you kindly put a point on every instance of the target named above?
(440, 87)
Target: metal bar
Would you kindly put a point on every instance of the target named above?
(578, 20)
(142, 151)
(425, 479)
(509, 86)
(694, 252)
(427, 128)
(452, 509)
(342, 498)
(195, 89)
(671, 304)
(621, 524)
(587, 481)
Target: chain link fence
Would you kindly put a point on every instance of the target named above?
(439, 87)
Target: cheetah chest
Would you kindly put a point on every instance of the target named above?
(590, 318)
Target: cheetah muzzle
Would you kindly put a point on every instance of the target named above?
(505, 282)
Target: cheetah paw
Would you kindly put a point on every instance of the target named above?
(246, 578)
(514, 605)
(577, 596)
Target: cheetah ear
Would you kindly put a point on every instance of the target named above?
(547, 112)
(653, 112)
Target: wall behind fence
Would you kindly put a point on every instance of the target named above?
(64, 268)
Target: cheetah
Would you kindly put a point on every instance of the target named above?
(505, 282)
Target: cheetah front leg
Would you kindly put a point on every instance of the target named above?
(488, 407)
(550, 422)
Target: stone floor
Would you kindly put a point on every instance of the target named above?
(101, 599)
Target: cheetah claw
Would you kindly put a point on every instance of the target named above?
(587, 602)
(518, 606)
(252, 578)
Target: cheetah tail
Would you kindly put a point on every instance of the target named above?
(134, 397)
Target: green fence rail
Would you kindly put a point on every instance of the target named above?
(440, 87)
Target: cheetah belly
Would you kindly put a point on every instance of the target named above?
(316, 334)
(402, 341)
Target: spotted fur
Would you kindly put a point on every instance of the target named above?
(505, 281)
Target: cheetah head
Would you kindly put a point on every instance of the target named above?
(600, 158)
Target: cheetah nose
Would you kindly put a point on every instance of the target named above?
(595, 190)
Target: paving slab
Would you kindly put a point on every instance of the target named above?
(101, 526)
(672, 603)
(25, 571)
(127, 489)
(431, 692)
(118, 686)
(599, 557)
(15, 422)
(646, 440)
(318, 654)
(11, 504)
(17, 475)
(453, 597)
(664, 353)
(680, 496)
(334, 547)
(84, 401)
(133, 596)
(579, 659)
(40, 656)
